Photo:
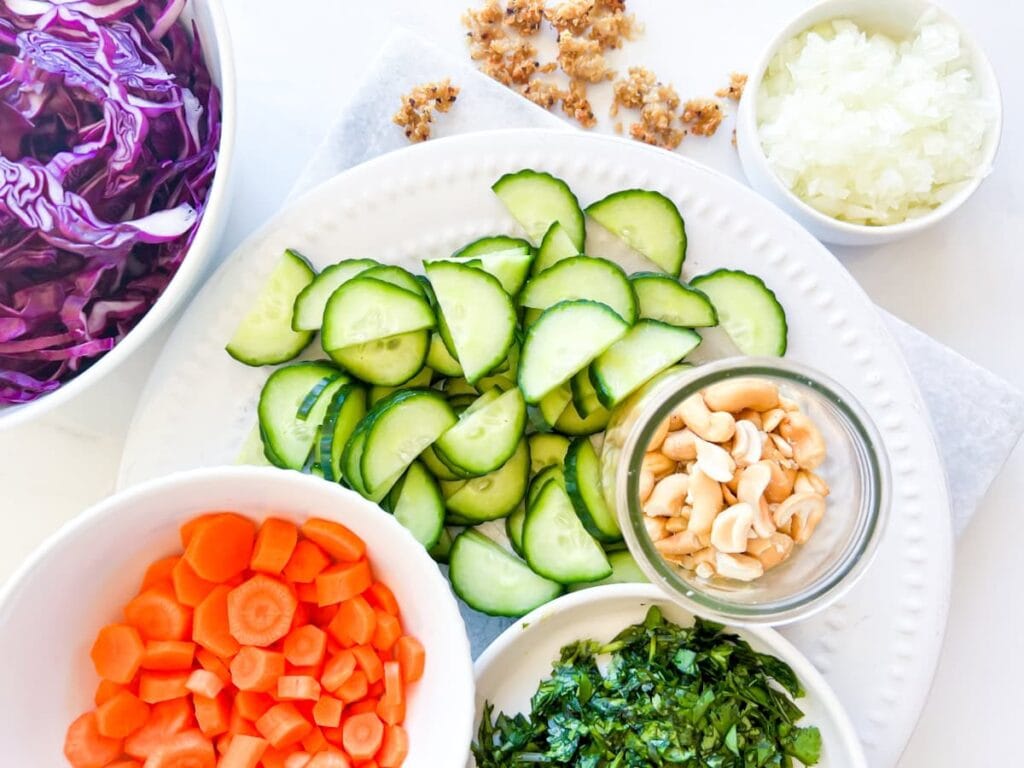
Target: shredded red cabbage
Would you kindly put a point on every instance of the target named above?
(109, 129)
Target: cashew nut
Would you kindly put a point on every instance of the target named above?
(806, 516)
(809, 482)
(728, 495)
(784, 448)
(714, 461)
(716, 427)
(704, 556)
(675, 419)
(746, 444)
(781, 486)
(667, 498)
(739, 567)
(655, 527)
(753, 484)
(752, 416)
(730, 529)
(803, 435)
(646, 484)
(658, 437)
(682, 543)
(676, 524)
(771, 550)
(657, 464)
(734, 395)
(771, 419)
(704, 570)
(802, 505)
(705, 498)
(680, 445)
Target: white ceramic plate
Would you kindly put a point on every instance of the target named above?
(213, 32)
(508, 672)
(425, 201)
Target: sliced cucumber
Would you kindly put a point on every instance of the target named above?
(265, 335)
(514, 529)
(537, 199)
(308, 312)
(547, 451)
(584, 396)
(421, 379)
(440, 359)
(364, 309)
(417, 504)
(501, 382)
(582, 277)
(492, 244)
(442, 549)
(493, 581)
(487, 436)
(555, 543)
(546, 475)
(458, 386)
(555, 247)
(389, 273)
(352, 456)
(496, 494)
(385, 362)
(664, 298)
(648, 222)
(314, 394)
(583, 484)
(564, 341)
(288, 438)
(438, 468)
(624, 571)
(402, 425)
(511, 268)
(571, 423)
(747, 309)
(649, 348)
(552, 405)
(345, 411)
(482, 401)
(479, 315)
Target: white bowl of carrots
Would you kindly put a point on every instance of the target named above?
(235, 617)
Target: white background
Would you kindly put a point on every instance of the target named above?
(962, 282)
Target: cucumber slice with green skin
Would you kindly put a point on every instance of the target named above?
(571, 423)
(442, 548)
(420, 380)
(492, 244)
(582, 277)
(491, 580)
(416, 503)
(551, 407)
(386, 362)
(288, 438)
(346, 410)
(649, 348)
(265, 335)
(555, 247)
(747, 309)
(482, 401)
(584, 396)
(537, 199)
(438, 468)
(314, 394)
(547, 451)
(458, 386)
(478, 313)
(401, 426)
(665, 299)
(364, 309)
(445, 333)
(545, 476)
(486, 436)
(389, 273)
(583, 484)
(511, 268)
(555, 543)
(352, 455)
(564, 341)
(308, 311)
(440, 359)
(514, 529)
(495, 494)
(500, 382)
(648, 222)
(624, 571)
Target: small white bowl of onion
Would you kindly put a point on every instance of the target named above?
(869, 120)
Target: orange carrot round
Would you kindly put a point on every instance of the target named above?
(362, 735)
(155, 687)
(86, 747)
(342, 582)
(275, 543)
(335, 539)
(386, 631)
(166, 719)
(252, 704)
(210, 626)
(410, 654)
(168, 655)
(305, 646)
(117, 653)
(354, 688)
(283, 725)
(338, 669)
(256, 669)
(221, 547)
(298, 688)
(394, 747)
(106, 690)
(330, 759)
(243, 752)
(159, 572)
(369, 662)
(354, 623)
(158, 615)
(121, 715)
(189, 587)
(380, 596)
(211, 714)
(327, 712)
(188, 749)
(260, 611)
(204, 683)
(306, 562)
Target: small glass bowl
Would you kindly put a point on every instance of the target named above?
(819, 571)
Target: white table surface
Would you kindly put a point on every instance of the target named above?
(960, 282)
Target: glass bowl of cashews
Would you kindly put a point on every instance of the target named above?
(754, 490)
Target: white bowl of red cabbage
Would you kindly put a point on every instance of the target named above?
(116, 122)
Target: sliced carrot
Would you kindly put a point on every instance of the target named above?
(165, 720)
(305, 646)
(391, 712)
(252, 704)
(168, 655)
(243, 752)
(260, 611)
(366, 705)
(189, 587)
(275, 543)
(410, 654)
(307, 593)
(159, 572)
(121, 715)
(158, 615)
(256, 669)
(353, 689)
(117, 653)
(275, 758)
(86, 747)
(238, 724)
(381, 597)
(314, 741)
(342, 582)
(394, 747)
(203, 682)
(355, 622)
(106, 690)
(211, 662)
(221, 547)
(283, 725)
(297, 688)
(333, 735)
(322, 616)
(338, 669)
(297, 760)
(210, 627)
(188, 749)
(327, 711)
(337, 540)
(189, 527)
(362, 735)
(394, 688)
(386, 632)
(305, 563)
(125, 764)
(330, 759)
(369, 662)
(376, 690)
(212, 714)
(155, 687)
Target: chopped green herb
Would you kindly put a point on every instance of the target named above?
(663, 695)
